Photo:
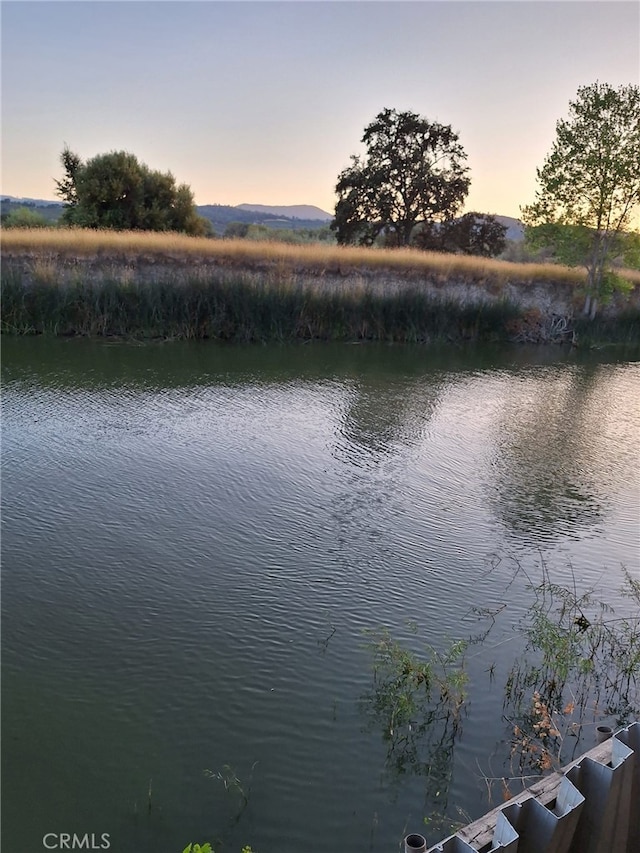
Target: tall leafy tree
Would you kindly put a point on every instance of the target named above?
(413, 171)
(66, 188)
(589, 184)
(116, 191)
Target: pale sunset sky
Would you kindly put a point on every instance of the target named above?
(264, 102)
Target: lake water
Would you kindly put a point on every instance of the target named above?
(196, 540)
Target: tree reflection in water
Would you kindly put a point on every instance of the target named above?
(556, 453)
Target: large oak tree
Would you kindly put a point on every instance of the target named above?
(413, 171)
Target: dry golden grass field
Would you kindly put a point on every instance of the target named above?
(86, 243)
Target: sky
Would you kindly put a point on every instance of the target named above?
(264, 102)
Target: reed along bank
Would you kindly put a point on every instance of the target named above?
(167, 286)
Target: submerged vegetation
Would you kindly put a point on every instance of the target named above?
(580, 668)
(417, 700)
(407, 687)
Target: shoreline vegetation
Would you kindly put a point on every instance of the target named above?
(159, 285)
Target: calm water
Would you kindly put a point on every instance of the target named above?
(196, 539)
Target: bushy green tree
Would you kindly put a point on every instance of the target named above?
(589, 185)
(116, 191)
(295, 236)
(25, 217)
(236, 230)
(630, 250)
(413, 172)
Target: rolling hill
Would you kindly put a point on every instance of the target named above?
(290, 211)
(290, 216)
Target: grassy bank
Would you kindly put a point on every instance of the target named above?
(83, 243)
(237, 309)
(150, 285)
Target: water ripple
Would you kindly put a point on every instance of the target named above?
(190, 567)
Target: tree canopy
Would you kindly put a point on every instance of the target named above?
(471, 234)
(414, 171)
(589, 184)
(115, 191)
(24, 217)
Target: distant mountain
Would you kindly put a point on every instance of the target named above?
(292, 216)
(220, 215)
(31, 202)
(290, 211)
(225, 213)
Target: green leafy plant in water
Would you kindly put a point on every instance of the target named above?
(581, 662)
(417, 701)
(207, 848)
(409, 690)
